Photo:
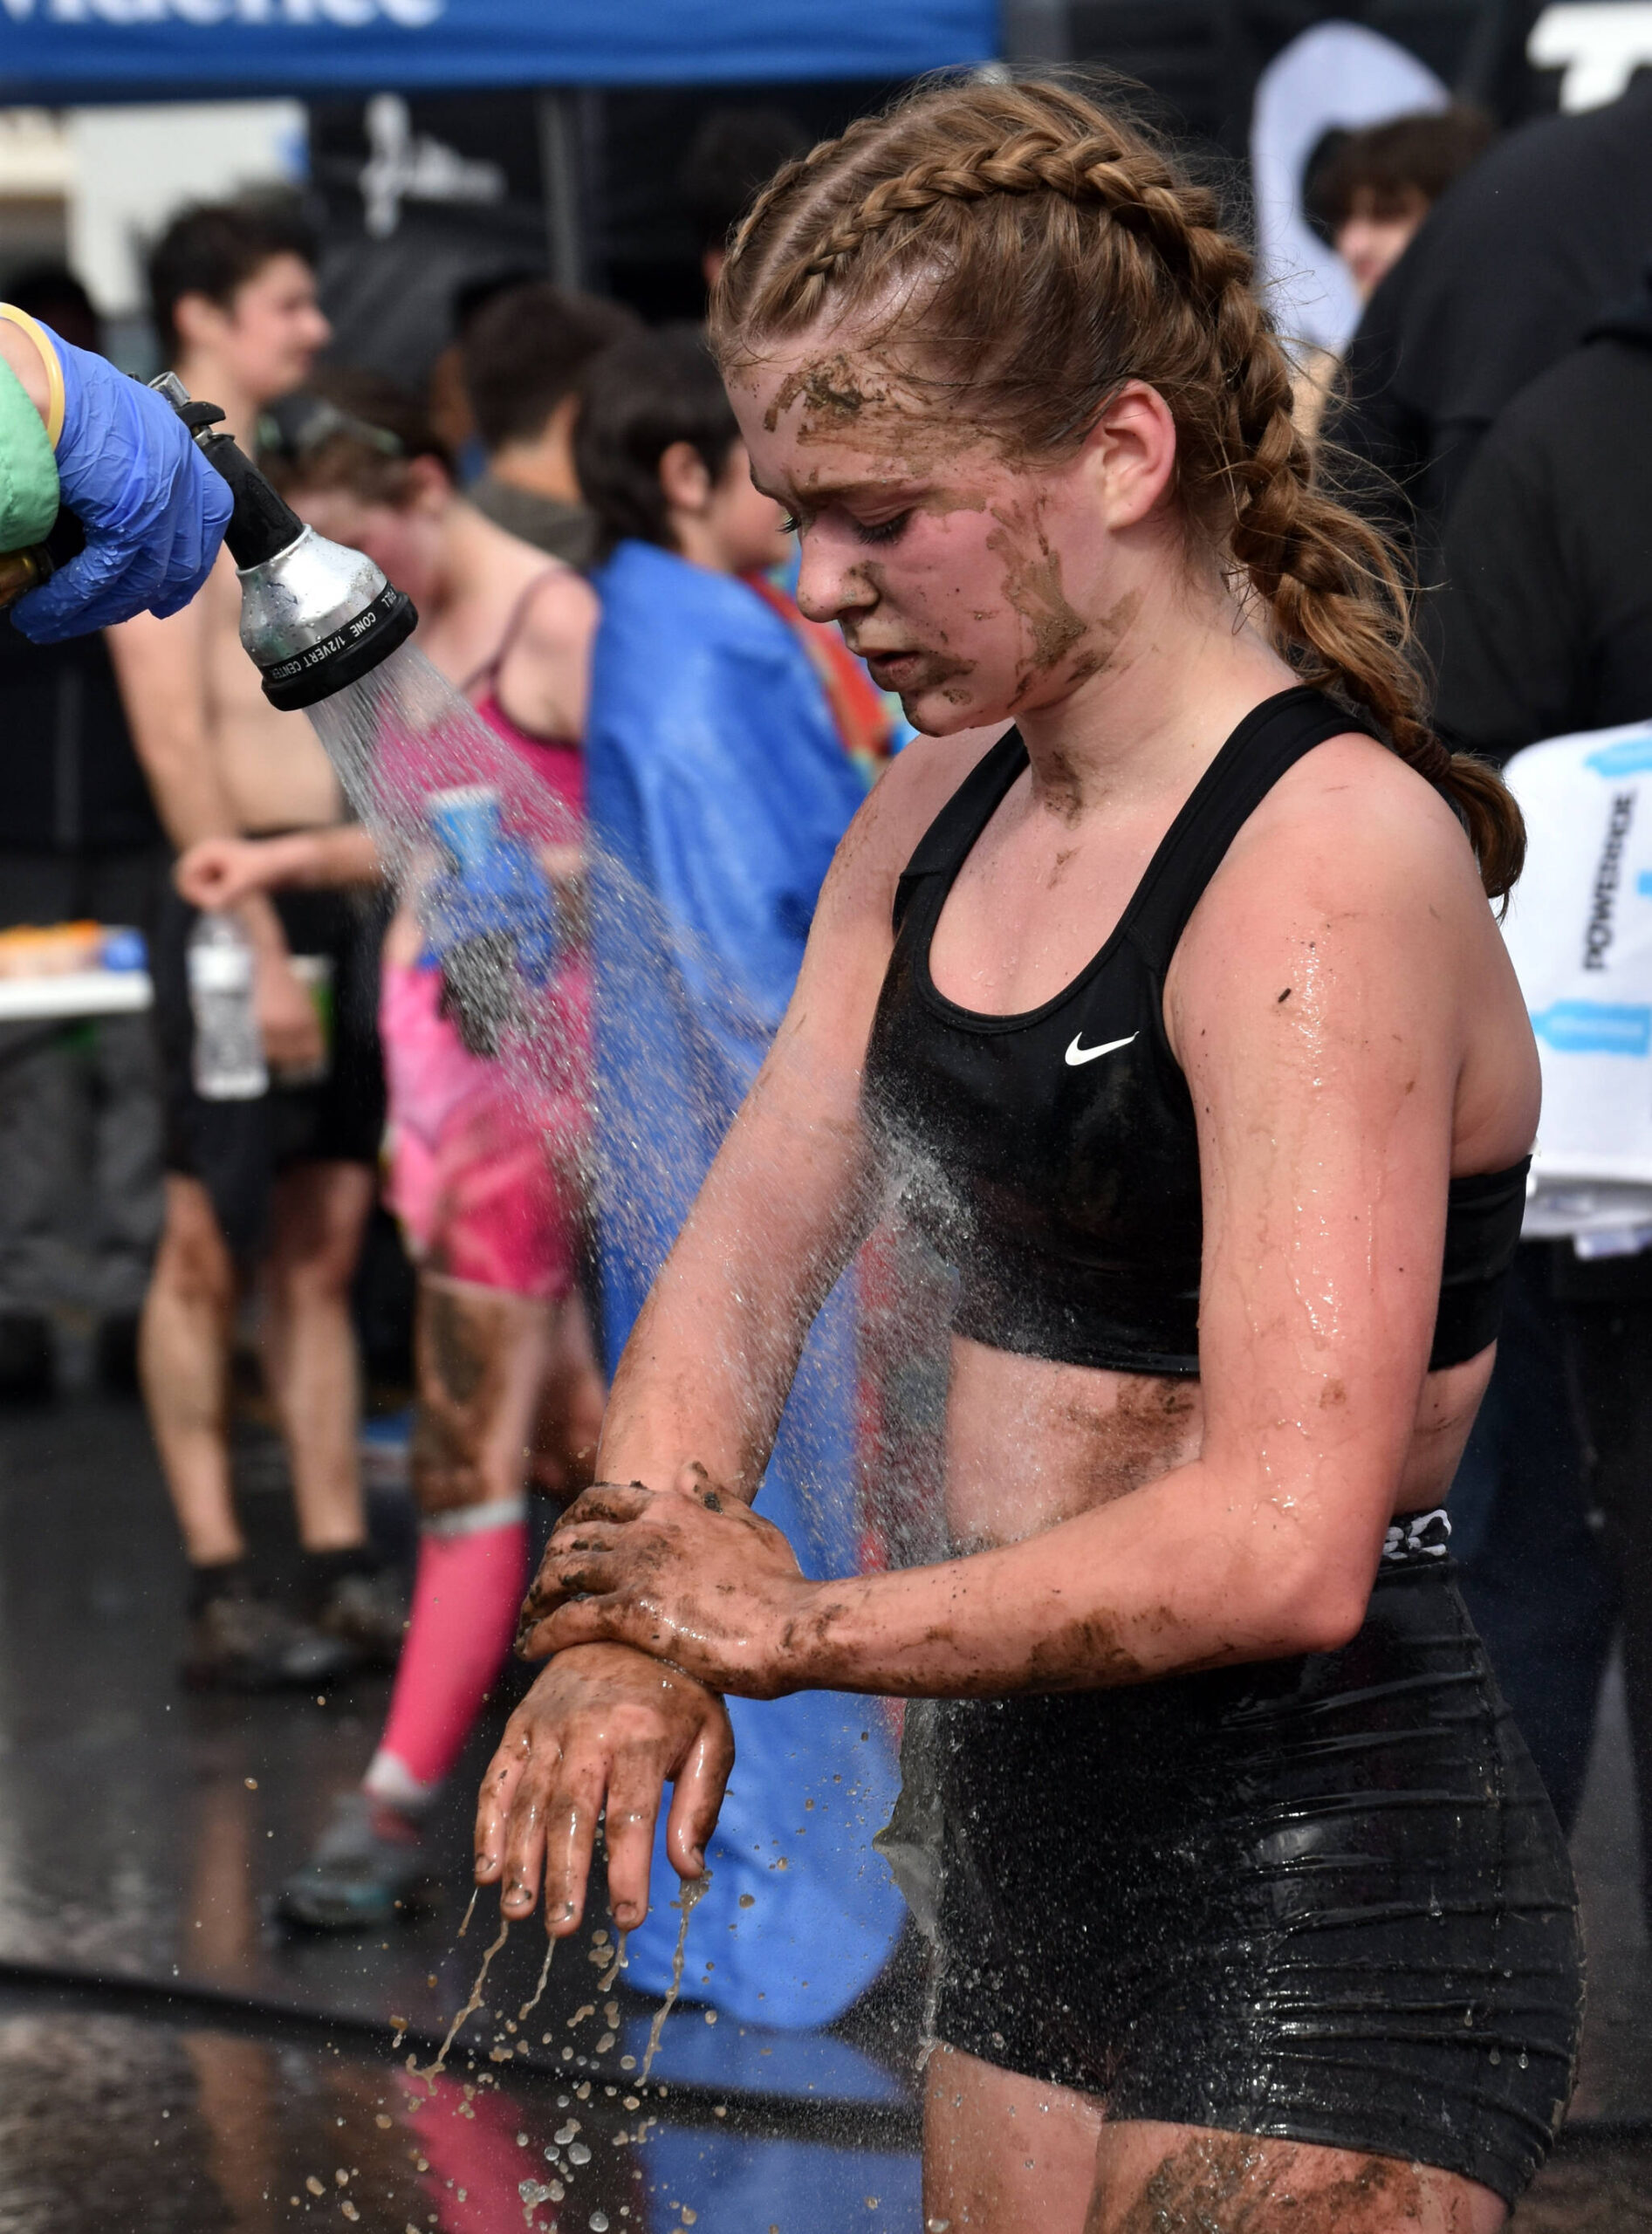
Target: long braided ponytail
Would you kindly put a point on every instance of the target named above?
(1040, 252)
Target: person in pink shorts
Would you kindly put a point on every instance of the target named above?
(484, 1156)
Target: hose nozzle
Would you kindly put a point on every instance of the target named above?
(314, 615)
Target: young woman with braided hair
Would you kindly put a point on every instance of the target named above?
(1178, 1020)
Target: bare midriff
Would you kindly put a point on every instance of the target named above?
(1030, 1442)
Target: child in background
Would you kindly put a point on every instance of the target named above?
(484, 1166)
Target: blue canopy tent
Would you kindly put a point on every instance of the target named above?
(79, 50)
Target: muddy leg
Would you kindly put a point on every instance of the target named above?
(1166, 2179)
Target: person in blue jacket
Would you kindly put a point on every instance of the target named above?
(718, 785)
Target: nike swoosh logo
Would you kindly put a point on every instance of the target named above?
(1077, 1054)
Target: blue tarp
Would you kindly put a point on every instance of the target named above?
(58, 51)
(716, 780)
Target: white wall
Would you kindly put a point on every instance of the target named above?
(132, 168)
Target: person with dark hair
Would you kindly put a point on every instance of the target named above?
(719, 784)
(729, 161)
(522, 354)
(484, 1163)
(1176, 1021)
(276, 1188)
(447, 397)
(732, 156)
(252, 262)
(1377, 185)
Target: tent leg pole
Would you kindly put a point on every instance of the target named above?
(560, 176)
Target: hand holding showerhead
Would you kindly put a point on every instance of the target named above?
(142, 517)
(314, 616)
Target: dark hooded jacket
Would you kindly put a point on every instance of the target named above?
(1544, 622)
(1505, 278)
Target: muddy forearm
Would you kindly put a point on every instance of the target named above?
(705, 1375)
(1173, 1577)
(695, 1385)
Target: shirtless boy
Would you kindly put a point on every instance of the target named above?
(280, 1186)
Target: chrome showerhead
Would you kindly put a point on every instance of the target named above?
(314, 615)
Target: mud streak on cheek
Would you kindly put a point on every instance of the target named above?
(1033, 589)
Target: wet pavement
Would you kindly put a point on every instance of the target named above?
(173, 2058)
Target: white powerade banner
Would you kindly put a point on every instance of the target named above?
(1579, 930)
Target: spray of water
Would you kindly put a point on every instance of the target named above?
(403, 733)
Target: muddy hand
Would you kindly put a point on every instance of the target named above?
(602, 1727)
(691, 1575)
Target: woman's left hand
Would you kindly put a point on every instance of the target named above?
(690, 1575)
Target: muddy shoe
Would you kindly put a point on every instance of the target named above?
(240, 1643)
(369, 1613)
(370, 1867)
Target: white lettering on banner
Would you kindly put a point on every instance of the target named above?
(1598, 43)
(350, 15)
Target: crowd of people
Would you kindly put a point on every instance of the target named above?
(1088, 496)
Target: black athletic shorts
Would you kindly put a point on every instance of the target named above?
(1322, 1899)
(236, 1148)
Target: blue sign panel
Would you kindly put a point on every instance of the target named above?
(55, 50)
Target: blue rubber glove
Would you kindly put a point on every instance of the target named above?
(153, 509)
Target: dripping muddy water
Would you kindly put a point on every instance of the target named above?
(694, 1891)
(399, 735)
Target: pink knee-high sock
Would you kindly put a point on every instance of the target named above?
(472, 1572)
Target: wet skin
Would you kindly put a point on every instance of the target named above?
(1351, 1033)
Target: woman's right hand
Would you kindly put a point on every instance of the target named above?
(603, 1724)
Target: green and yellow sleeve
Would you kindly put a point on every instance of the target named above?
(28, 464)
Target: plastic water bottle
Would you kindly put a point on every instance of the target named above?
(489, 919)
(229, 1047)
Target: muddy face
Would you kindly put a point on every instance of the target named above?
(977, 582)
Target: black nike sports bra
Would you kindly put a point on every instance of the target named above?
(1052, 1157)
